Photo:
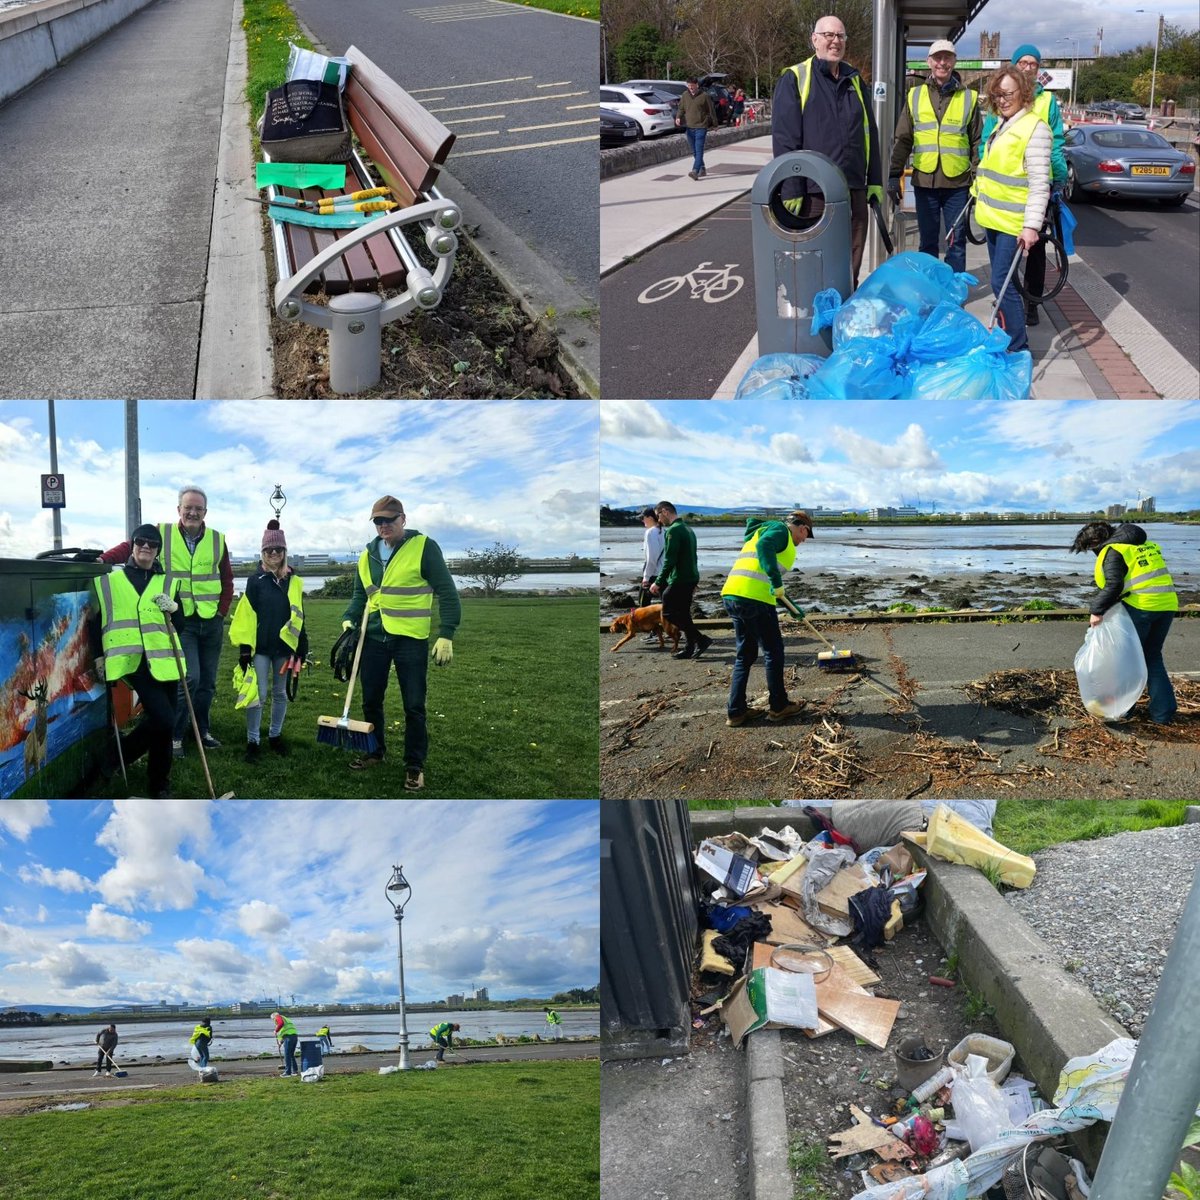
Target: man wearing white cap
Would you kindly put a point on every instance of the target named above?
(939, 125)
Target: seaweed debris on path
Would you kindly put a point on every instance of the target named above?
(477, 344)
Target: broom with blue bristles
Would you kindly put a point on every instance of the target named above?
(343, 732)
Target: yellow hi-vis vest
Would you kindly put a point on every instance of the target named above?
(199, 574)
(133, 627)
(947, 138)
(747, 579)
(1041, 105)
(1149, 583)
(803, 74)
(402, 597)
(243, 629)
(1001, 185)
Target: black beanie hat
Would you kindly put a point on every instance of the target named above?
(148, 533)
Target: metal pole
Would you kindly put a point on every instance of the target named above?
(883, 71)
(403, 1015)
(1154, 68)
(133, 499)
(1163, 1088)
(56, 513)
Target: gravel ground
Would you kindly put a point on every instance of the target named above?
(1110, 907)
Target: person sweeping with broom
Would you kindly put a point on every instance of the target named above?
(268, 630)
(399, 573)
(135, 604)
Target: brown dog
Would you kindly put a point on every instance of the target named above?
(645, 620)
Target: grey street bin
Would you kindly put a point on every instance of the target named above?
(792, 265)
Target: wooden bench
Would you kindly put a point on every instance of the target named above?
(403, 147)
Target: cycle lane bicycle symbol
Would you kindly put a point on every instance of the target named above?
(712, 284)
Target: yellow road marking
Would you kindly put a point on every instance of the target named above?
(525, 146)
(526, 100)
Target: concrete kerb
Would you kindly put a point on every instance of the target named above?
(619, 160)
(1045, 1012)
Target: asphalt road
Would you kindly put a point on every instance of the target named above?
(680, 347)
(1148, 253)
(517, 85)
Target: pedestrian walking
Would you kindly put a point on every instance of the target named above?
(677, 579)
(696, 115)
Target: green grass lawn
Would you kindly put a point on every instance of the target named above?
(501, 1131)
(514, 716)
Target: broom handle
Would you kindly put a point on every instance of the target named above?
(362, 637)
(187, 695)
(819, 634)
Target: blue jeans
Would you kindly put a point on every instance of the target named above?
(1001, 248)
(695, 139)
(755, 624)
(266, 669)
(410, 657)
(201, 640)
(289, 1052)
(202, 1051)
(1152, 629)
(937, 207)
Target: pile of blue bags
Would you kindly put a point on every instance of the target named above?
(903, 335)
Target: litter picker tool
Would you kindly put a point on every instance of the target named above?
(343, 732)
(187, 695)
(120, 752)
(888, 244)
(328, 207)
(1012, 270)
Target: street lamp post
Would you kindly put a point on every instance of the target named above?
(400, 887)
(1074, 63)
(1154, 69)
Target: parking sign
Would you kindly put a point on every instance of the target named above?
(53, 492)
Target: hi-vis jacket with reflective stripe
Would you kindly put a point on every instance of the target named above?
(1148, 583)
(243, 629)
(403, 598)
(1002, 182)
(748, 579)
(133, 627)
(946, 138)
(199, 573)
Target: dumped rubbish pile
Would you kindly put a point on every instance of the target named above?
(902, 335)
(791, 934)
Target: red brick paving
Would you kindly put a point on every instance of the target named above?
(1112, 362)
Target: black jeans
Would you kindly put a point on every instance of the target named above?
(152, 734)
(201, 639)
(410, 657)
(677, 608)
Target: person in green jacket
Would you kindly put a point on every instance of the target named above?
(399, 573)
(326, 1038)
(677, 579)
(750, 593)
(202, 1038)
(554, 1021)
(443, 1036)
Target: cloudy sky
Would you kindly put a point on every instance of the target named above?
(468, 473)
(212, 901)
(1026, 456)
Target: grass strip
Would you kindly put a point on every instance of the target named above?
(501, 1131)
(1029, 825)
(514, 716)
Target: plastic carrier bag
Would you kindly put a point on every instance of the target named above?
(1110, 666)
(778, 377)
(980, 375)
(917, 281)
(308, 64)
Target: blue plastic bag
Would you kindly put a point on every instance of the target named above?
(869, 316)
(825, 307)
(862, 369)
(981, 374)
(949, 332)
(917, 281)
(778, 377)
(1067, 223)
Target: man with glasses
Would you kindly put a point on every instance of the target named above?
(198, 558)
(820, 105)
(135, 602)
(939, 125)
(399, 573)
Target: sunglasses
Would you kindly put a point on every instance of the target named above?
(377, 521)
(146, 544)
(275, 550)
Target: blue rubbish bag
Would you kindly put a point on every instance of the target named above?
(949, 332)
(917, 281)
(825, 307)
(981, 374)
(871, 316)
(1066, 225)
(778, 377)
(862, 369)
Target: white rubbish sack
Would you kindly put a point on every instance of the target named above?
(313, 1074)
(1110, 666)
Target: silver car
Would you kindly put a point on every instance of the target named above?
(1127, 161)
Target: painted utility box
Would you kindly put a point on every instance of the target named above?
(53, 709)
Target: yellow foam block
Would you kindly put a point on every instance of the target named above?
(955, 839)
(710, 960)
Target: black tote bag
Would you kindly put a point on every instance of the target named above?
(303, 122)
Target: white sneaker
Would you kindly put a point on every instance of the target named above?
(95, 1073)
(107, 1074)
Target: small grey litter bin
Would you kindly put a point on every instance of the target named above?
(792, 265)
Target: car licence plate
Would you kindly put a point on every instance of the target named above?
(1149, 170)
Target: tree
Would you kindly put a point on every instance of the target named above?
(641, 53)
(492, 567)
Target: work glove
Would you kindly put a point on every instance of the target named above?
(165, 603)
(874, 192)
(244, 657)
(893, 189)
(346, 625)
(794, 205)
(443, 652)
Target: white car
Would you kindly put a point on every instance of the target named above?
(651, 111)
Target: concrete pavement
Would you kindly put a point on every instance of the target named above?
(1094, 344)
